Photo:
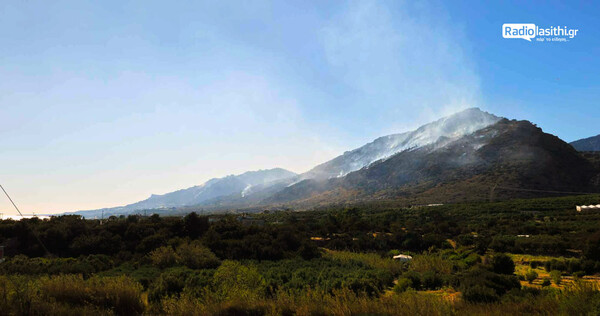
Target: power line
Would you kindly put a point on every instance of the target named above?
(32, 230)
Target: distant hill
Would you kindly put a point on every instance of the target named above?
(229, 186)
(513, 156)
(587, 144)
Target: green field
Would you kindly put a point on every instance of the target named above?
(535, 256)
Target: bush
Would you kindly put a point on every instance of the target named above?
(234, 281)
(345, 271)
(168, 283)
(546, 282)
(177, 280)
(472, 259)
(402, 285)
(163, 257)
(531, 275)
(535, 263)
(424, 263)
(555, 264)
(190, 254)
(415, 279)
(556, 276)
(195, 256)
(578, 274)
(480, 294)
(120, 294)
(479, 277)
(431, 280)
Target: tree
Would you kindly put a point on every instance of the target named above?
(556, 276)
(503, 264)
(194, 225)
(163, 257)
(196, 256)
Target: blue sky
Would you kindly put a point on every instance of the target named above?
(102, 104)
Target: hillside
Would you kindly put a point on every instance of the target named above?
(456, 125)
(509, 155)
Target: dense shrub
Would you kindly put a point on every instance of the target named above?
(556, 276)
(163, 257)
(502, 264)
(190, 254)
(479, 278)
(402, 285)
(546, 282)
(480, 294)
(232, 280)
(120, 294)
(85, 265)
(326, 274)
(195, 256)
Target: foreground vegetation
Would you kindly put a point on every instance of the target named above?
(523, 257)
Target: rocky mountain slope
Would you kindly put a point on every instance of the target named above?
(456, 125)
(514, 157)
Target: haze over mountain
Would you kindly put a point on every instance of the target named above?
(457, 158)
(232, 185)
(587, 144)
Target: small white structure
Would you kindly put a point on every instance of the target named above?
(403, 258)
(587, 207)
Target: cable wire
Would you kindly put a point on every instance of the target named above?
(32, 230)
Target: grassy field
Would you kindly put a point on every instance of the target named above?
(467, 259)
(523, 266)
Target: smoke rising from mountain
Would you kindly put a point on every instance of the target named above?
(408, 57)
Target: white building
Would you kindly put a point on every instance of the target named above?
(403, 258)
(586, 207)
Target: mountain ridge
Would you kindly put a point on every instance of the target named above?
(587, 144)
(455, 158)
(514, 154)
(383, 147)
(211, 189)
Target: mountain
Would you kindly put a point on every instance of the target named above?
(229, 186)
(471, 155)
(453, 126)
(514, 157)
(587, 144)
